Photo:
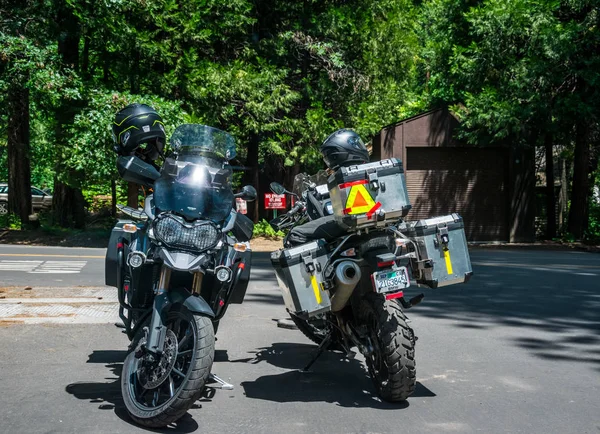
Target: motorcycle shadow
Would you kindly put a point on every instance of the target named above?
(108, 395)
(333, 378)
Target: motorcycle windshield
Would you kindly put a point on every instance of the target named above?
(303, 180)
(195, 182)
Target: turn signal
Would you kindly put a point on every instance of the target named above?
(240, 247)
(401, 242)
(349, 252)
(129, 227)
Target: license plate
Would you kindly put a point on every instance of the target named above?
(390, 280)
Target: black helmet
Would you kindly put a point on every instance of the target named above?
(344, 148)
(135, 125)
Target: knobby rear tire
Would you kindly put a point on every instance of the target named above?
(189, 391)
(392, 366)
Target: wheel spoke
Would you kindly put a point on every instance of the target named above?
(178, 372)
(155, 398)
(183, 353)
(183, 340)
(171, 386)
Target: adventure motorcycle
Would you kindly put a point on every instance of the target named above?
(346, 288)
(177, 265)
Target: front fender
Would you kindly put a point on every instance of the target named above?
(194, 304)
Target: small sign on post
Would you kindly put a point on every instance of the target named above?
(241, 205)
(275, 201)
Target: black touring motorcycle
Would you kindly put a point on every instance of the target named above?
(344, 283)
(177, 265)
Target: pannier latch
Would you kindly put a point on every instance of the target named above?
(308, 262)
(373, 181)
(442, 236)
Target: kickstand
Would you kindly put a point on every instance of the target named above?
(324, 345)
(221, 384)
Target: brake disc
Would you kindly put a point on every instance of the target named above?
(152, 373)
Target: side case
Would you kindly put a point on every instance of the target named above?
(442, 250)
(298, 271)
(111, 261)
(239, 291)
(372, 194)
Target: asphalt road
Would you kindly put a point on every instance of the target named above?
(51, 266)
(516, 350)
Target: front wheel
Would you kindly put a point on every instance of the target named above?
(158, 390)
(391, 362)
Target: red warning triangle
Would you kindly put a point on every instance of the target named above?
(360, 200)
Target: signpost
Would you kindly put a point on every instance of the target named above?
(275, 201)
(241, 205)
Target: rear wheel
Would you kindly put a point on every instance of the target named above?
(3, 208)
(391, 363)
(159, 390)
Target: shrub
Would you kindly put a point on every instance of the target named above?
(264, 229)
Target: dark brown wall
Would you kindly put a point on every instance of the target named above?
(435, 129)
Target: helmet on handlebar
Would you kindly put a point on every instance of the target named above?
(344, 148)
(137, 125)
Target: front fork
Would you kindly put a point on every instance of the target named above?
(157, 329)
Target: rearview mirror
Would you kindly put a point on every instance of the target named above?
(248, 193)
(277, 188)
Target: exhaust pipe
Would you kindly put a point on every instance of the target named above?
(347, 276)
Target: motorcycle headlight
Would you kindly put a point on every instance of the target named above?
(175, 232)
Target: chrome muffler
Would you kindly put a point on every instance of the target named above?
(347, 276)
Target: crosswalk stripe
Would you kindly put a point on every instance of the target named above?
(43, 267)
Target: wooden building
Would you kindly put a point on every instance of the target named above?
(491, 187)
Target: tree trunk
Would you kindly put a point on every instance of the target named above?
(19, 166)
(113, 203)
(252, 176)
(132, 195)
(85, 61)
(550, 198)
(563, 195)
(68, 206)
(578, 213)
(68, 203)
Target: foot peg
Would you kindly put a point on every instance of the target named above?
(221, 384)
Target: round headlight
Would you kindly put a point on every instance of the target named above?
(223, 273)
(136, 259)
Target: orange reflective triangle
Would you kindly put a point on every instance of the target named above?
(360, 200)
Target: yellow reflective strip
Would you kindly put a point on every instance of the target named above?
(351, 198)
(315, 286)
(448, 262)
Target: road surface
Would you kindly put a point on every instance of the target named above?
(516, 350)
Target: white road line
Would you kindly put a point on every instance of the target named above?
(43, 267)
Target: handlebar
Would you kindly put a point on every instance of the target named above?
(298, 207)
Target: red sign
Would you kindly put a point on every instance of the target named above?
(275, 201)
(241, 205)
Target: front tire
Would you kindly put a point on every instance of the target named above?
(188, 356)
(391, 364)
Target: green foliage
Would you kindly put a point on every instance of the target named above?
(286, 74)
(10, 221)
(593, 232)
(90, 149)
(264, 229)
